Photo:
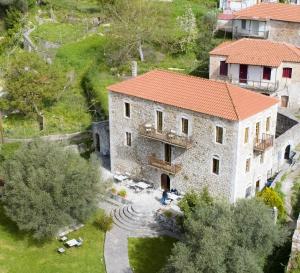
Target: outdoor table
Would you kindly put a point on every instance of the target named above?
(142, 185)
(120, 178)
(64, 238)
(61, 250)
(173, 196)
(72, 243)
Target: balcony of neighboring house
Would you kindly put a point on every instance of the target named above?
(163, 165)
(147, 130)
(239, 33)
(263, 86)
(263, 143)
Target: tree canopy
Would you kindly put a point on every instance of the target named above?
(48, 187)
(222, 238)
(32, 84)
(135, 23)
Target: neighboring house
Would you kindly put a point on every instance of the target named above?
(273, 21)
(271, 68)
(185, 132)
(236, 5)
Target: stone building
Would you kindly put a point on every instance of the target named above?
(271, 68)
(273, 21)
(185, 132)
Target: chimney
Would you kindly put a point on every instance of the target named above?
(134, 69)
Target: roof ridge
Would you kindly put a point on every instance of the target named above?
(228, 43)
(231, 99)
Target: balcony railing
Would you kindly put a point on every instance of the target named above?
(239, 33)
(163, 165)
(148, 131)
(262, 85)
(262, 144)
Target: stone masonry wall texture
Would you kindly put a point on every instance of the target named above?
(196, 162)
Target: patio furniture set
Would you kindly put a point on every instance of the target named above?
(69, 243)
(137, 186)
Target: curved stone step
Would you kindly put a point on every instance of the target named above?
(134, 224)
(125, 213)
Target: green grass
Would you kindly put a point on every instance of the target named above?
(61, 33)
(149, 255)
(20, 254)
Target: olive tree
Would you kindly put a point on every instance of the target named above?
(48, 187)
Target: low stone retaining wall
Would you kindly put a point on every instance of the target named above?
(295, 245)
(74, 137)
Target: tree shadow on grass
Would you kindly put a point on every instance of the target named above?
(11, 227)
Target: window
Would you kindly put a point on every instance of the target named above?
(159, 121)
(267, 73)
(247, 165)
(216, 165)
(287, 72)
(248, 192)
(268, 124)
(128, 139)
(127, 110)
(246, 138)
(244, 22)
(219, 134)
(185, 126)
(223, 68)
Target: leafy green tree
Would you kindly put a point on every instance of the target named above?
(48, 187)
(206, 42)
(135, 23)
(224, 238)
(32, 85)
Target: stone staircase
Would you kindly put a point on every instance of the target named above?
(137, 220)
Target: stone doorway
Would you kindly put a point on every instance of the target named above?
(165, 182)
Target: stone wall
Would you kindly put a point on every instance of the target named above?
(290, 137)
(295, 245)
(285, 32)
(196, 162)
(101, 137)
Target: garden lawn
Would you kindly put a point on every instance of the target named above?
(149, 255)
(19, 254)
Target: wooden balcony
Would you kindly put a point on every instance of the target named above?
(171, 138)
(263, 86)
(163, 165)
(261, 145)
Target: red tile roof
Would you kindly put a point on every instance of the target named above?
(258, 52)
(225, 16)
(273, 11)
(196, 94)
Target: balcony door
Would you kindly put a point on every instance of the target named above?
(255, 27)
(165, 182)
(168, 153)
(243, 73)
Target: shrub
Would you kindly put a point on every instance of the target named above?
(122, 193)
(113, 190)
(168, 214)
(103, 221)
(271, 198)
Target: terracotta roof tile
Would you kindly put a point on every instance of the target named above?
(273, 11)
(258, 52)
(196, 94)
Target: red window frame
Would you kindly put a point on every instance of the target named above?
(287, 72)
(223, 68)
(267, 73)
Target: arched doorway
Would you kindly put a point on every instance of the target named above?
(165, 182)
(97, 142)
(287, 152)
